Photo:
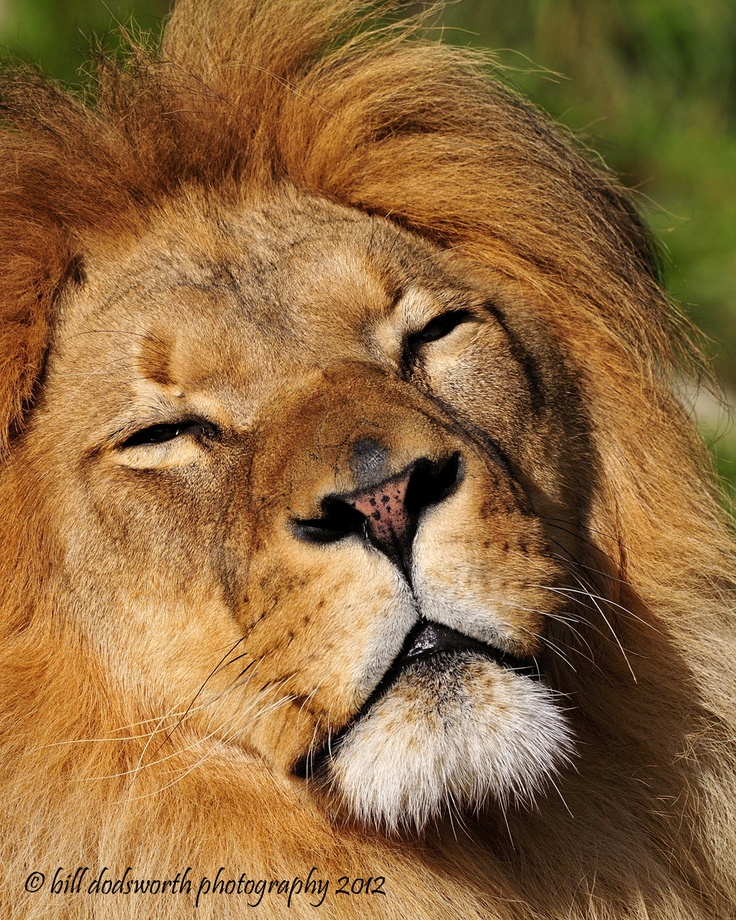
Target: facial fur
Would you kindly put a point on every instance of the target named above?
(351, 517)
(252, 440)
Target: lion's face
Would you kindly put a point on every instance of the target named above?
(306, 465)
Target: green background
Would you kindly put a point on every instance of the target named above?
(649, 84)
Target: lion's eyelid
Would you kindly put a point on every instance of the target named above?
(168, 431)
(437, 328)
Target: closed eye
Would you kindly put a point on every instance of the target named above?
(161, 434)
(436, 329)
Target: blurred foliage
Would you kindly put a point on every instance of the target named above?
(58, 34)
(649, 84)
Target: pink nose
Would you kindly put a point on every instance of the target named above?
(385, 511)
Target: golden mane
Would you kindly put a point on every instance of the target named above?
(245, 96)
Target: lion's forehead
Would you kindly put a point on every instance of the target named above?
(244, 300)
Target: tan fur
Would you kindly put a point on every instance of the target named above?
(247, 234)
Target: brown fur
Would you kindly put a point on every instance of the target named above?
(275, 157)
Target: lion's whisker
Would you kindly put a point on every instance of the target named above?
(201, 689)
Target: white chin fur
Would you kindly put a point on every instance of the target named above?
(449, 735)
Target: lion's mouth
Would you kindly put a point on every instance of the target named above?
(429, 639)
(427, 642)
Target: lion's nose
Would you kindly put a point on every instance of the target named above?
(387, 516)
(386, 513)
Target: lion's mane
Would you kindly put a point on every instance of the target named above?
(314, 95)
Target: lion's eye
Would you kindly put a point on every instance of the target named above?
(160, 434)
(435, 329)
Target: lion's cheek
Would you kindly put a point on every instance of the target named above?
(480, 564)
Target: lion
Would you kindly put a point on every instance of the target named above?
(359, 557)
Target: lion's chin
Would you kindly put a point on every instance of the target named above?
(451, 733)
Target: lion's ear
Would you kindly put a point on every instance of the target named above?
(35, 254)
(24, 333)
(57, 179)
(28, 292)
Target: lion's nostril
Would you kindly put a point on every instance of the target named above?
(432, 481)
(338, 520)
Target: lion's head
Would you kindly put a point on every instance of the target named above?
(343, 474)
